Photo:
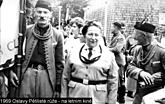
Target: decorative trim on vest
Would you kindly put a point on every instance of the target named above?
(148, 57)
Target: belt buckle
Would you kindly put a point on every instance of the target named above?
(39, 67)
(85, 81)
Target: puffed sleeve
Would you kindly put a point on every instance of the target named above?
(112, 81)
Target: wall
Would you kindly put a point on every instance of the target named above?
(127, 11)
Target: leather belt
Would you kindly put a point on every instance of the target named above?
(37, 66)
(88, 82)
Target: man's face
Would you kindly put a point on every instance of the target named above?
(123, 30)
(42, 16)
(114, 29)
(93, 36)
(140, 37)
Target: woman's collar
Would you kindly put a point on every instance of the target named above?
(86, 47)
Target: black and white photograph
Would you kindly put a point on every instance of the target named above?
(82, 51)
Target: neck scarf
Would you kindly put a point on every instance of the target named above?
(87, 61)
(147, 58)
(38, 35)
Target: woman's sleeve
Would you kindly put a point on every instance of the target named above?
(113, 81)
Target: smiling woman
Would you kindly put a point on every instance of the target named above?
(92, 33)
(91, 70)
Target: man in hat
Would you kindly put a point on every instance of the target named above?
(148, 65)
(44, 57)
(117, 46)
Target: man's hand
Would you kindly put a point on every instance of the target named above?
(56, 94)
(14, 79)
(147, 77)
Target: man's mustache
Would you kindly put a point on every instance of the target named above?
(42, 18)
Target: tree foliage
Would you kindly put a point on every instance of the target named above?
(75, 7)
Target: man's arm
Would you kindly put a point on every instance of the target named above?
(132, 69)
(135, 72)
(65, 78)
(120, 43)
(59, 61)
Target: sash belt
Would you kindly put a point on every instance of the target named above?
(37, 66)
(88, 82)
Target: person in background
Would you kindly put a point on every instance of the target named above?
(162, 37)
(131, 44)
(76, 24)
(67, 29)
(158, 37)
(117, 46)
(148, 64)
(123, 29)
(75, 36)
(44, 57)
(91, 70)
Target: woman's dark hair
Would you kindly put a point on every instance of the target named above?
(78, 21)
(90, 23)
